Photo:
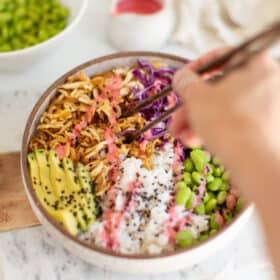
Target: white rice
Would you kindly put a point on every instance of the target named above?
(143, 228)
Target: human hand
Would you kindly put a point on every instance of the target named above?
(240, 110)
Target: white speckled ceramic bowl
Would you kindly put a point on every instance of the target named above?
(137, 264)
(22, 59)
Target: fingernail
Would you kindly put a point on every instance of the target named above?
(183, 78)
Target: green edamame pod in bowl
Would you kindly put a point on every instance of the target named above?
(211, 205)
(187, 178)
(28, 32)
(188, 164)
(184, 238)
(200, 159)
(215, 184)
(182, 196)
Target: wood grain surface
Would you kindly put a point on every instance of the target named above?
(15, 211)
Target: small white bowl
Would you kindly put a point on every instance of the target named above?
(132, 32)
(22, 59)
(136, 264)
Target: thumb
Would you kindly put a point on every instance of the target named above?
(190, 86)
(183, 79)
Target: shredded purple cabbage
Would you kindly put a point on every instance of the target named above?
(153, 80)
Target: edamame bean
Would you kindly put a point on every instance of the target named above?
(26, 23)
(227, 214)
(213, 223)
(184, 238)
(212, 232)
(181, 184)
(200, 159)
(197, 177)
(215, 184)
(187, 178)
(239, 204)
(188, 164)
(209, 178)
(182, 196)
(189, 203)
(217, 172)
(224, 187)
(209, 168)
(200, 209)
(203, 237)
(208, 195)
(221, 197)
(211, 205)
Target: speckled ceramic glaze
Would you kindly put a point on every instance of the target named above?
(139, 264)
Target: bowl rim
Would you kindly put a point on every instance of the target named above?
(28, 185)
(51, 40)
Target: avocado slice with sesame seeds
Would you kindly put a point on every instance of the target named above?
(44, 175)
(86, 189)
(65, 193)
(57, 177)
(60, 182)
(62, 216)
(75, 189)
(67, 220)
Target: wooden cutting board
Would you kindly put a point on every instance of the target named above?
(15, 211)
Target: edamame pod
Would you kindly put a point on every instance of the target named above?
(184, 238)
(215, 184)
(182, 196)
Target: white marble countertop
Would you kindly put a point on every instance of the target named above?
(30, 253)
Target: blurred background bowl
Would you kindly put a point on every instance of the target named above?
(21, 59)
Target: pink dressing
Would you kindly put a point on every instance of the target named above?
(112, 155)
(177, 164)
(200, 195)
(112, 88)
(113, 219)
(62, 149)
(142, 7)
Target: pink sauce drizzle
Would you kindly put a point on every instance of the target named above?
(112, 155)
(113, 89)
(142, 7)
(174, 222)
(178, 163)
(114, 219)
(201, 191)
(62, 149)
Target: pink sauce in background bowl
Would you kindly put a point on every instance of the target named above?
(141, 7)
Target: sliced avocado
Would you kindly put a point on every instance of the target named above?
(67, 220)
(79, 214)
(57, 176)
(70, 175)
(85, 183)
(75, 189)
(36, 182)
(63, 216)
(63, 184)
(44, 174)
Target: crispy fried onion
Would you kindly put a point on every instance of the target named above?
(105, 96)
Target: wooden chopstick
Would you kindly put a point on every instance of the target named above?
(147, 102)
(232, 59)
(132, 136)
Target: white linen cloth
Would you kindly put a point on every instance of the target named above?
(203, 25)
